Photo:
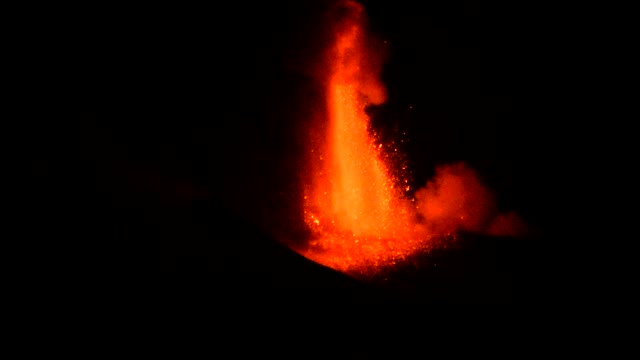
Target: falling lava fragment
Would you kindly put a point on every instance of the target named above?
(354, 207)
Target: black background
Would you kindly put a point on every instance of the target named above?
(168, 149)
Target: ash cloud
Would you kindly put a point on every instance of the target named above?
(455, 200)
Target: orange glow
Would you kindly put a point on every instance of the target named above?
(357, 212)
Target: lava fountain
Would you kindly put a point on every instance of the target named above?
(355, 202)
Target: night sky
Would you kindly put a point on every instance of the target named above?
(174, 153)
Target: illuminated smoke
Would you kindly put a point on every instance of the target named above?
(360, 219)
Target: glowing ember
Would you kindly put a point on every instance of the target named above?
(358, 215)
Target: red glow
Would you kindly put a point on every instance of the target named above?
(360, 219)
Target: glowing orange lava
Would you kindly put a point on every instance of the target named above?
(359, 217)
(356, 210)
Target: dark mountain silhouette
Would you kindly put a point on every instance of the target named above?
(173, 153)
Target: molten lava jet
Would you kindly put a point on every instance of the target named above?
(354, 204)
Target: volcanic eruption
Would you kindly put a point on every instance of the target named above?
(356, 202)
